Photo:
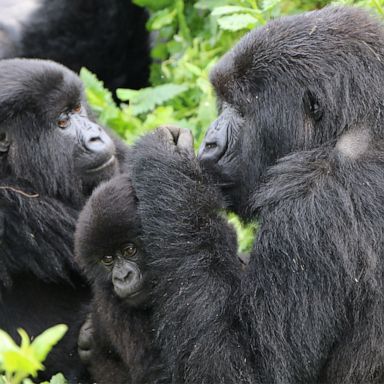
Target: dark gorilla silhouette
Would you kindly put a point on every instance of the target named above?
(107, 37)
(52, 155)
(298, 145)
(108, 246)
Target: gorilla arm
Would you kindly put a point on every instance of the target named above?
(33, 226)
(192, 251)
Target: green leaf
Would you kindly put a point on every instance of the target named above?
(147, 99)
(153, 4)
(208, 4)
(237, 22)
(6, 343)
(245, 233)
(161, 18)
(25, 342)
(230, 9)
(21, 361)
(58, 379)
(98, 96)
(46, 340)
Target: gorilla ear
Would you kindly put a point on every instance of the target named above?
(312, 106)
(4, 143)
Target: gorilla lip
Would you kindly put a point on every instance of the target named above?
(106, 164)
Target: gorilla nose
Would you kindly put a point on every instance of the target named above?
(214, 144)
(123, 275)
(96, 140)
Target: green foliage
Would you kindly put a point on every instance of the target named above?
(245, 233)
(19, 362)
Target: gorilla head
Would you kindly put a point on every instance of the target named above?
(46, 135)
(292, 85)
(108, 244)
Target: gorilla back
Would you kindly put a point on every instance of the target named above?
(52, 155)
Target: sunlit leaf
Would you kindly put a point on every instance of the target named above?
(58, 379)
(230, 9)
(21, 361)
(153, 4)
(161, 19)
(237, 22)
(45, 341)
(147, 99)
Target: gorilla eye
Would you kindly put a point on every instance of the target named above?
(107, 260)
(77, 108)
(129, 250)
(63, 121)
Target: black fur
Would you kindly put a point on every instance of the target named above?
(123, 350)
(107, 37)
(43, 185)
(299, 146)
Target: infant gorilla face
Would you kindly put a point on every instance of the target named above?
(107, 243)
(126, 273)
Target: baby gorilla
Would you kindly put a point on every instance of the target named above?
(108, 247)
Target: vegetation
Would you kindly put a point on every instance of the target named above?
(17, 363)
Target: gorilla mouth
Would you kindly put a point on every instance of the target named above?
(104, 165)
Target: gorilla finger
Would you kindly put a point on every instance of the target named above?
(85, 339)
(85, 355)
(185, 142)
(165, 135)
(175, 131)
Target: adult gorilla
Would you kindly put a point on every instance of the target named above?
(298, 145)
(107, 37)
(52, 155)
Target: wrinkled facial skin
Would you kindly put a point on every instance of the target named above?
(94, 151)
(126, 274)
(224, 153)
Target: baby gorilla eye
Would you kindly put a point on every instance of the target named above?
(77, 108)
(129, 250)
(107, 260)
(63, 121)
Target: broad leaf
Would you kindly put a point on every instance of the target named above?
(147, 99)
(237, 22)
(45, 341)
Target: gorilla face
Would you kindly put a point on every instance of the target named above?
(125, 272)
(108, 245)
(46, 135)
(280, 91)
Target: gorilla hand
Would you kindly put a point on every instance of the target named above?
(180, 137)
(85, 341)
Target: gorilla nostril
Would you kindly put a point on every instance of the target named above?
(128, 276)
